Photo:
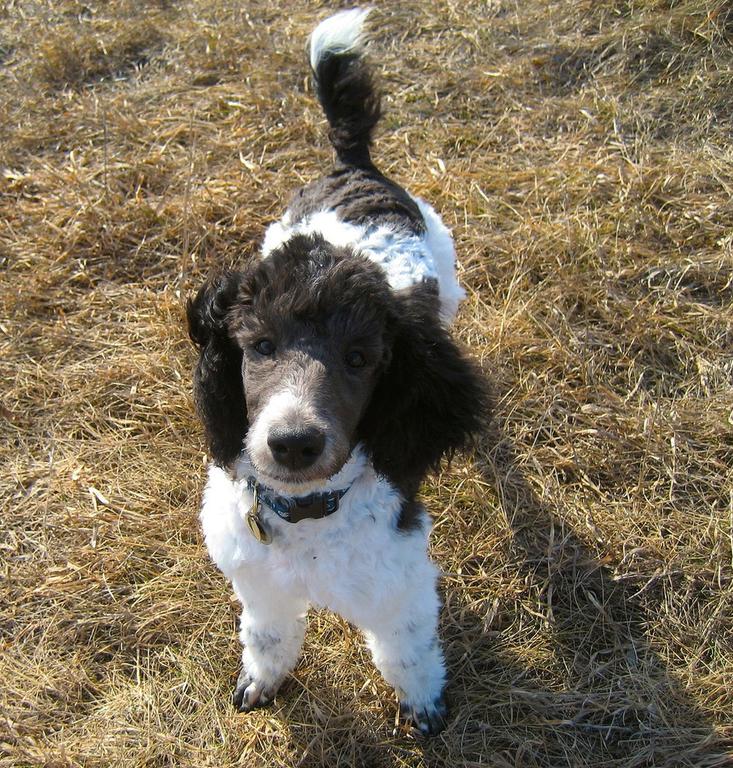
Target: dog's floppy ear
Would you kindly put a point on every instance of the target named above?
(218, 387)
(430, 399)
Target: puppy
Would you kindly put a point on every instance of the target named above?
(328, 387)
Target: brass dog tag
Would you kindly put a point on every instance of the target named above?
(255, 525)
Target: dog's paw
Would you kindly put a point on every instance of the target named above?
(250, 693)
(429, 721)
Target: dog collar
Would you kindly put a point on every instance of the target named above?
(291, 509)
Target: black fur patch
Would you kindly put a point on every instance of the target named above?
(218, 388)
(351, 102)
(358, 195)
(431, 398)
(411, 514)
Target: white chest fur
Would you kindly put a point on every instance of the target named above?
(352, 561)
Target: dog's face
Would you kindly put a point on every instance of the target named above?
(310, 351)
(311, 321)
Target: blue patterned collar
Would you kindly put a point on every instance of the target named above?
(293, 509)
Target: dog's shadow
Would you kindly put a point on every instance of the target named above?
(557, 670)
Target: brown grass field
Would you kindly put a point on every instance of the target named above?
(581, 152)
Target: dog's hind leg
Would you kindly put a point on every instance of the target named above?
(272, 631)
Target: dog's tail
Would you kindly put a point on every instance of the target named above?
(344, 85)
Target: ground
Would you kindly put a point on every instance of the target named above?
(581, 153)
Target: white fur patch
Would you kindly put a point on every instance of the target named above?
(406, 258)
(340, 33)
(438, 242)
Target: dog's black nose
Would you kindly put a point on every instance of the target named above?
(296, 448)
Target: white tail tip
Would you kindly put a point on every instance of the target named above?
(339, 33)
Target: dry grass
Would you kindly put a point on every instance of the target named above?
(582, 153)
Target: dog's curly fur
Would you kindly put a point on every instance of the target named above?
(336, 340)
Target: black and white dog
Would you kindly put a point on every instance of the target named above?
(328, 386)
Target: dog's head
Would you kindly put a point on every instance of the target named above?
(310, 351)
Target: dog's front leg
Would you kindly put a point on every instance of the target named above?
(272, 631)
(406, 650)
(410, 659)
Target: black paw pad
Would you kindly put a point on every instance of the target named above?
(250, 694)
(428, 721)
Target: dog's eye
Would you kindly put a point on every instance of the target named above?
(355, 359)
(264, 347)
